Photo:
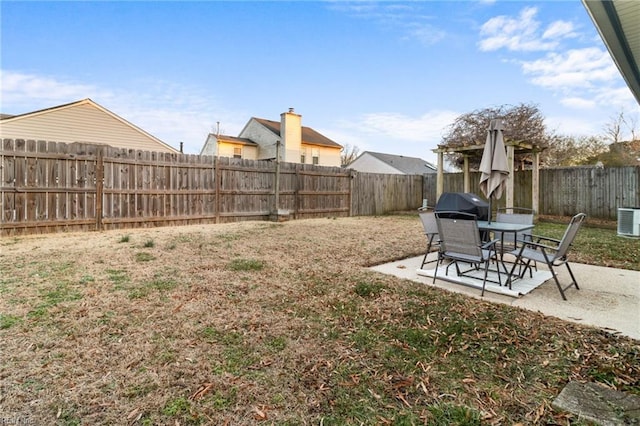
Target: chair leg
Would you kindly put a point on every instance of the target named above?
(513, 268)
(435, 271)
(522, 268)
(486, 272)
(424, 259)
(555, 278)
(573, 279)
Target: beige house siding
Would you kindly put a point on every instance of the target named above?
(228, 149)
(326, 156)
(83, 121)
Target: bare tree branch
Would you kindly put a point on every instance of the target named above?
(348, 154)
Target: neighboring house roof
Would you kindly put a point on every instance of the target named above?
(309, 136)
(233, 139)
(617, 23)
(406, 165)
(86, 130)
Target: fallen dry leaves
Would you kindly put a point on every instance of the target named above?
(101, 334)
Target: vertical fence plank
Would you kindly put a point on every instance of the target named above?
(8, 181)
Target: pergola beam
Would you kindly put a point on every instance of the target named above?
(513, 147)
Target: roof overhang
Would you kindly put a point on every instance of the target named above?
(618, 23)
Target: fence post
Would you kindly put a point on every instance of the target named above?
(99, 187)
(217, 183)
(296, 191)
(277, 181)
(352, 178)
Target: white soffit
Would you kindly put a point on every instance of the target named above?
(618, 22)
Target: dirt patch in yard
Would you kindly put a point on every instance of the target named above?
(277, 322)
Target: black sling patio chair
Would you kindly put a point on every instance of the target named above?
(460, 243)
(551, 251)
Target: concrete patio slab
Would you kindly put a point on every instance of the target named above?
(608, 298)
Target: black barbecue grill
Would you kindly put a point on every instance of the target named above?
(464, 202)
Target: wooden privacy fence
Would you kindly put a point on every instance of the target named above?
(376, 194)
(48, 186)
(598, 192)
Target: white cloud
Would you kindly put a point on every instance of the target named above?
(573, 68)
(396, 133)
(573, 125)
(173, 113)
(583, 78)
(406, 18)
(523, 33)
(429, 126)
(559, 29)
(20, 90)
(426, 34)
(617, 97)
(578, 103)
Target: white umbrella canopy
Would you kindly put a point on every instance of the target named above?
(494, 168)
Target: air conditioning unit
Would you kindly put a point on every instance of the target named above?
(629, 222)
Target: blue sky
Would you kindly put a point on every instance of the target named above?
(383, 76)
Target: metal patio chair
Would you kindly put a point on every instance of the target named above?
(519, 215)
(509, 240)
(460, 243)
(430, 227)
(551, 251)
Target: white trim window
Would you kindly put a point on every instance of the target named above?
(237, 152)
(315, 156)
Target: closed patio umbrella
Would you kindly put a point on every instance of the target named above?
(494, 169)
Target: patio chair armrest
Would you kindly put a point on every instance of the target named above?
(490, 244)
(539, 238)
(537, 245)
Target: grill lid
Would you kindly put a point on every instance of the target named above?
(464, 202)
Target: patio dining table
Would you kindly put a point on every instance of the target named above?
(502, 228)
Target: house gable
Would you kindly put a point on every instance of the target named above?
(81, 121)
(225, 146)
(309, 135)
(376, 162)
(264, 136)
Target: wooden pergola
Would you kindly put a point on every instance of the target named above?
(512, 149)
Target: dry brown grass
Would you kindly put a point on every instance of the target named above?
(248, 322)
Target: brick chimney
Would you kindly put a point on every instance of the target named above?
(291, 134)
